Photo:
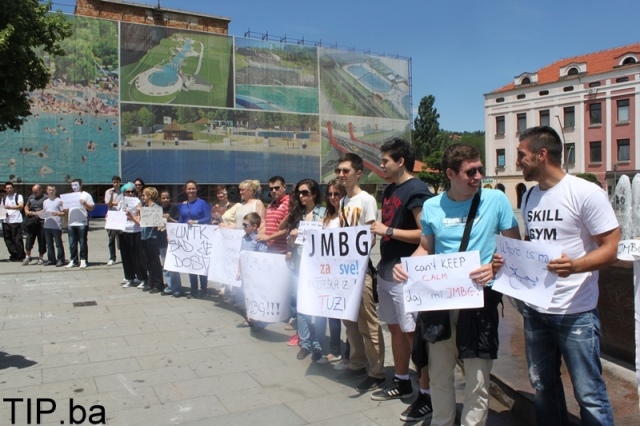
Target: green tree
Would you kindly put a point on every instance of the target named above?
(427, 137)
(145, 117)
(129, 122)
(24, 26)
(590, 177)
(432, 174)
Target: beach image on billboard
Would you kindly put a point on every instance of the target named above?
(362, 136)
(353, 83)
(170, 66)
(168, 144)
(273, 76)
(73, 132)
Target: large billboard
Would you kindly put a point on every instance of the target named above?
(169, 105)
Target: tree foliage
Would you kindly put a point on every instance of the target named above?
(427, 138)
(590, 177)
(432, 174)
(24, 26)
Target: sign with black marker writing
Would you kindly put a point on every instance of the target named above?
(629, 250)
(189, 248)
(225, 253)
(441, 281)
(524, 274)
(151, 217)
(266, 299)
(332, 270)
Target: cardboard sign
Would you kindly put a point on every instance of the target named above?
(71, 200)
(629, 250)
(151, 217)
(116, 220)
(267, 300)
(307, 225)
(189, 248)
(225, 254)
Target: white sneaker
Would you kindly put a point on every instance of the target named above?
(127, 284)
(70, 265)
(83, 264)
(110, 262)
(142, 284)
(124, 281)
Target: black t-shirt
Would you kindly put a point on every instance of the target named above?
(36, 204)
(397, 205)
(174, 213)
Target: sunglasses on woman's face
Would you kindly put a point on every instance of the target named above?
(333, 194)
(304, 193)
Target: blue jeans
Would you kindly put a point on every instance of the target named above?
(78, 236)
(174, 283)
(52, 236)
(576, 338)
(193, 280)
(311, 336)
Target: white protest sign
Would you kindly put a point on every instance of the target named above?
(267, 299)
(629, 250)
(151, 217)
(71, 200)
(116, 220)
(225, 254)
(441, 281)
(3, 213)
(130, 203)
(44, 214)
(189, 248)
(524, 274)
(307, 225)
(332, 270)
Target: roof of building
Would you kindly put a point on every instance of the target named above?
(165, 9)
(596, 63)
(173, 127)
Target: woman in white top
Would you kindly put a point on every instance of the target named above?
(248, 190)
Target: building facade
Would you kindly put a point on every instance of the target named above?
(591, 100)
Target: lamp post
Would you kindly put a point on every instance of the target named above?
(564, 145)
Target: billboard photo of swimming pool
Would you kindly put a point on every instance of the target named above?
(353, 83)
(217, 145)
(360, 135)
(73, 129)
(170, 66)
(273, 76)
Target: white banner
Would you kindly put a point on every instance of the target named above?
(189, 248)
(3, 213)
(71, 200)
(307, 225)
(265, 282)
(151, 217)
(130, 203)
(441, 281)
(225, 254)
(332, 270)
(629, 250)
(524, 274)
(116, 220)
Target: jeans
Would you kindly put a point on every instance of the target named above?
(78, 236)
(576, 338)
(311, 336)
(193, 280)
(112, 235)
(174, 283)
(54, 236)
(335, 328)
(12, 233)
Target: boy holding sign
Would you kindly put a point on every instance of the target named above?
(474, 332)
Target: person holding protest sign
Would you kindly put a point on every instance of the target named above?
(400, 230)
(129, 239)
(53, 227)
(365, 336)
(149, 244)
(78, 228)
(112, 198)
(467, 334)
(195, 211)
(578, 216)
(171, 213)
(305, 206)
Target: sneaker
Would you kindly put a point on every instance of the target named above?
(124, 281)
(47, 263)
(111, 262)
(303, 353)
(142, 284)
(397, 389)
(294, 341)
(419, 410)
(26, 261)
(41, 261)
(177, 295)
(153, 291)
(59, 263)
(349, 374)
(291, 325)
(83, 264)
(128, 284)
(329, 359)
(71, 265)
(369, 384)
(166, 293)
(316, 356)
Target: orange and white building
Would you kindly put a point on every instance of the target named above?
(591, 100)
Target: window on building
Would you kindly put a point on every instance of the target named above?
(544, 118)
(521, 96)
(569, 117)
(526, 80)
(499, 100)
(500, 125)
(629, 60)
(573, 71)
(570, 153)
(595, 113)
(624, 150)
(594, 84)
(622, 79)
(543, 92)
(623, 111)
(500, 158)
(567, 89)
(522, 122)
(595, 152)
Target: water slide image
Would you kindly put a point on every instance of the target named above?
(274, 76)
(169, 66)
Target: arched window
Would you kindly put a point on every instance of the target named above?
(573, 71)
(526, 80)
(629, 60)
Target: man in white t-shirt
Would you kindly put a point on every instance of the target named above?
(12, 225)
(365, 337)
(78, 228)
(53, 227)
(576, 215)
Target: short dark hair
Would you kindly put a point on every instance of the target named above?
(455, 154)
(77, 180)
(545, 137)
(117, 179)
(140, 180)
(399, 148)
(8, 183)
(253, 218)
(354, 159)
(275, 179)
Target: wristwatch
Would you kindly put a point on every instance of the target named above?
(389, 232)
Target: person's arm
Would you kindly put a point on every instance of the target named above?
(206, 220)
(411, 236)
(88, 203)
(486, 273)
(426, 246)
(19, 203)
(604, 255)
(261, 212)
(27, 210)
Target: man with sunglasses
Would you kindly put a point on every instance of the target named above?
(473, 336)
(276, 213)
(400, 231)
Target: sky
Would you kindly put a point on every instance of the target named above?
(460, 50)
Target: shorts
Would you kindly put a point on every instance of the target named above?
(391, 306)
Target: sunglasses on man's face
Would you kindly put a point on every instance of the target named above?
(472, 171)
(246, 225)
(342, 171)
(274, 188)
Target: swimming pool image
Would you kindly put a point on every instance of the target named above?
(277, 98)
(369, 78)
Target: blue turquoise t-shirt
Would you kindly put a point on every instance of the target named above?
(445, 219)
